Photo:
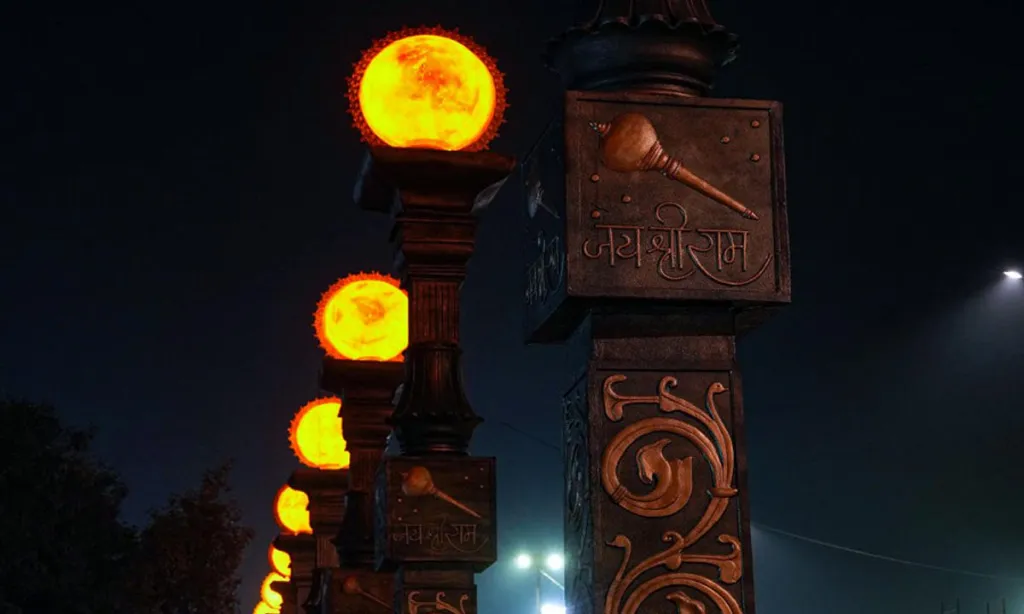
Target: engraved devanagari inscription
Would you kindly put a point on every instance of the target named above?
(677, 249)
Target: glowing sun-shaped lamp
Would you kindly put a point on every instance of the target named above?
(428, 88)
(271, 597)
(316, 436)
(280, 561)
(290, 511)
(265, 608)
(364, 317)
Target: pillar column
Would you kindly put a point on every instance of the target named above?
(657, 234)
(435, 522)
(367, 390)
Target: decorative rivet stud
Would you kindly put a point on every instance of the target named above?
(755, 157)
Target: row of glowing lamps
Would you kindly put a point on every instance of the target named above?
(419, 88)
(361, 317)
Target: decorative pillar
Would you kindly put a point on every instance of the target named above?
(367, 389)
(435, 520)
(302, 550)
(326, 489)
(657, 234)
(434, 504)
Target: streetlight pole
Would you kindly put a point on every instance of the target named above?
(554, 562)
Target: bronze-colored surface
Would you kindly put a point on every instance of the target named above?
(434, 195)
(673, 47)
(418, 482)
(629, 143)
(303, 552)
(417, 604)
(673, 486)
(351, 586)
(655, 473)
(666, 245)
(415, 525)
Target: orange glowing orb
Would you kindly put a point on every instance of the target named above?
(290, 510)
(316, 435)
(427, 88)
(271, 597)
(364, 317)
(280, 561)
(265, 608)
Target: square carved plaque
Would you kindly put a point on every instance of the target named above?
(436, 510)
(658, 200)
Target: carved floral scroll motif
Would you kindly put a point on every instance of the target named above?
(438, 605)
(672, 482)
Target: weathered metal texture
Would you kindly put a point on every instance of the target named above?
(436, 510)
(434, 592)
(434, 505)
(666, 46)
(303, 550)
(435, 194)
(326, 489)
(367, 389)
(667, 202)
(656, 493)
(287, 592)
(358, 591)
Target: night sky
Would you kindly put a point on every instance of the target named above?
(176, 194)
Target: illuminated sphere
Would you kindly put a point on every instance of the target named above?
(429, 89)
(280, 561)
(316, 435)
(290, 510)
(271, 597)
(265, 608)
(364, 317)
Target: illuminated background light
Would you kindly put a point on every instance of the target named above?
(555, 562)
(364, 317)
(269, 595)
(280, 561)
(427, 88)
(552, 608)
(315, 435)
(290, 511)
(265, 608)
(1013, 274)
(524, 561)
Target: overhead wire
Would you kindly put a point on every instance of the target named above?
(811, 540)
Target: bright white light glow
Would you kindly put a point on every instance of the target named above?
(524, 561)
(1014, 274)
(552, 608)
(555, 562)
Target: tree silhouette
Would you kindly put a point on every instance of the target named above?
(190, 552)
(63, 547)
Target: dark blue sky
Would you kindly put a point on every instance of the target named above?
(176, 193)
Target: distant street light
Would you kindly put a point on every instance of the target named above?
(554, 562)
(1013, 274)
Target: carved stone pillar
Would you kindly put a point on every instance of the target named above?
(288, 596)
(657, 234)
(435, 505)
(367, 390)
(302, 550)
(326, 489)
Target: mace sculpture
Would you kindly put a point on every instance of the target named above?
(656, 235)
